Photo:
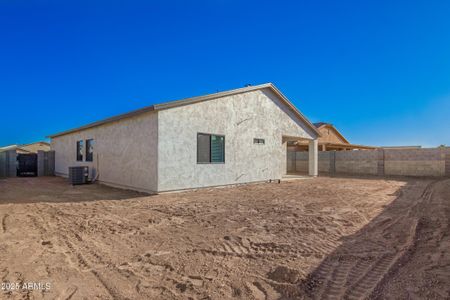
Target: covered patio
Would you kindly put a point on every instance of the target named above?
(313, 155)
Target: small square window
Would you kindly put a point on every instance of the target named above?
(259, 141)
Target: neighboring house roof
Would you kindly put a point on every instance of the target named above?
(35, 147)
(334, 140)
(319, 124)
(27, 148)
(193, 100)
(9, 147)
(323, 124)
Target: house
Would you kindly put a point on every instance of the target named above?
(231, 137)
(330, 139)
(28, 148)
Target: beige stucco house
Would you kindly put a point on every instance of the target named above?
(231, 137)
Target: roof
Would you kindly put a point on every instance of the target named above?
(40, 142)
(24, 147)
(320, 124)
(323, 124)
(9, 147)
(14, 148)
(188, 101)
(353, 146)
(336, 145)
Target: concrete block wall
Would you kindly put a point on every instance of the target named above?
(357, 162)
(8, 163)
(398, 162)
(49, 164)
(324, 162)
(46, 163)
(11, 163)
(291, 161)
(40, 163)
(2, 164)
(301, 162)
(302, 166)
(447, 162)
(302, 158)
(415, 162)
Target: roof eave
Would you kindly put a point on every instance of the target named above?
(193, 100)
(108, 120)
(295, 110)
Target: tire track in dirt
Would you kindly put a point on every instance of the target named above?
(107, 272)
(82, 262)
(420, 236)
(347, 276)
(4, 222)
(212, 243)
(362, 287)
(338, 278)
(238, 247)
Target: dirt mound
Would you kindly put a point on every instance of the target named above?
(284, 274)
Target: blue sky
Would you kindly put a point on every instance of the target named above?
(378, 70)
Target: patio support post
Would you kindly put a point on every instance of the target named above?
(313, 151)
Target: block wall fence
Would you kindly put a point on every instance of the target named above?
(45, 163)
(433, 162)
(8, 163)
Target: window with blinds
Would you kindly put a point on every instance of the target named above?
(210, 148)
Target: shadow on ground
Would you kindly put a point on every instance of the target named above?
(57, 190)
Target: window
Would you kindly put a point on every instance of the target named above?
(90, 150)
(80, 146)
(259, 141)
(210, 148)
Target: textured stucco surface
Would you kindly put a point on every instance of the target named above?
(125, 152)
(241, 117)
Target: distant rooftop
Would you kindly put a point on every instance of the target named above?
(318, 124)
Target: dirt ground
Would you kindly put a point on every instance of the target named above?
(323, 238)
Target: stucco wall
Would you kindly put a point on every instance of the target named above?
(241, 118)
(125, 152)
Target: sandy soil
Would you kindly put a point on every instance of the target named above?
(315, 238)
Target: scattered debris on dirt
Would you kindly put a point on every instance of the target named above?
(304, 239)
